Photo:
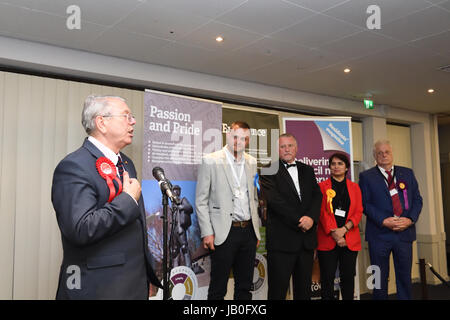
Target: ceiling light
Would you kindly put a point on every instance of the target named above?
(219, 39)
(347, 70)
(430, 90)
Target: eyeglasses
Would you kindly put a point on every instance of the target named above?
(381, 153)
(129, 116)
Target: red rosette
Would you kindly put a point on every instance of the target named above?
(107, 171)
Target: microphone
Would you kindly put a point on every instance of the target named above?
(164, 184)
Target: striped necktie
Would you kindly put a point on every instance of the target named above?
(120, 168)
(396, 204)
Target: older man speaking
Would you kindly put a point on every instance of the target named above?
(100, 211)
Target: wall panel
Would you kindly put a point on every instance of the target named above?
(8, 155)
(28, 173)
(400, 138)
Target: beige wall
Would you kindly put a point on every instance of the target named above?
(400, 138)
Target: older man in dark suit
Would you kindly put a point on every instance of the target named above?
(293, 209)
(100, 211)
(392, 204)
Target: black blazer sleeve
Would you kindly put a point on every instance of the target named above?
(312, 195)
(277, 204)
(285, 204)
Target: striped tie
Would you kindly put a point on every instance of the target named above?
(396, 204)
(120, 168)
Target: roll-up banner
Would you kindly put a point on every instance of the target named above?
(178, 131)
(318, 138)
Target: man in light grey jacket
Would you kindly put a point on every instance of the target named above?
(226, 205)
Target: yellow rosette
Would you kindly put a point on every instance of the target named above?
(330, 195)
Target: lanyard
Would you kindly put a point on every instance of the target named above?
(386, 179)
(231, 163)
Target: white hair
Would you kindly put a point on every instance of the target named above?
(380, 143)
(96, 105)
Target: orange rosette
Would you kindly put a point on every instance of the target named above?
(330, 195)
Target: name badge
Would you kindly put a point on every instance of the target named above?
(339, 213)
(393, 192)
(239, 194)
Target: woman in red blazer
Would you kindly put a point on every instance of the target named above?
(338, 233)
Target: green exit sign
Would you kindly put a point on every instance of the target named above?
(368, 104)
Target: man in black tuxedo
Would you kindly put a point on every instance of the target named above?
(103, 231)
(293, 208)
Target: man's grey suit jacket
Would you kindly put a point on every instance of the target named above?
(214, 195)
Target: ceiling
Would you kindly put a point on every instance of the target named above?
(298, 44)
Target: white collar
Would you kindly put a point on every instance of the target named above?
(231, 156)
(384, 171)
(292, 162)
(105, 150)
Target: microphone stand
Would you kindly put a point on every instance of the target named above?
(172, 239)
(165, 187)
(165, 203)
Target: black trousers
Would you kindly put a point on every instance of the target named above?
(237, 253)
(281, 265)
(328, 262)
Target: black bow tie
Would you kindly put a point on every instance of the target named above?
(290, 165)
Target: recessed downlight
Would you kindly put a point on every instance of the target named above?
(347, 70)
(219, 39)
(431, 90)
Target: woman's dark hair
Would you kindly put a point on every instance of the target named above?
(341, 157)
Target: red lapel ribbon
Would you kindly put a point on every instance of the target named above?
(107, 171)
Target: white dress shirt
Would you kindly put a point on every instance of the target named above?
(241, 204)
(108, 153)
(294, 175)
(386, 175)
